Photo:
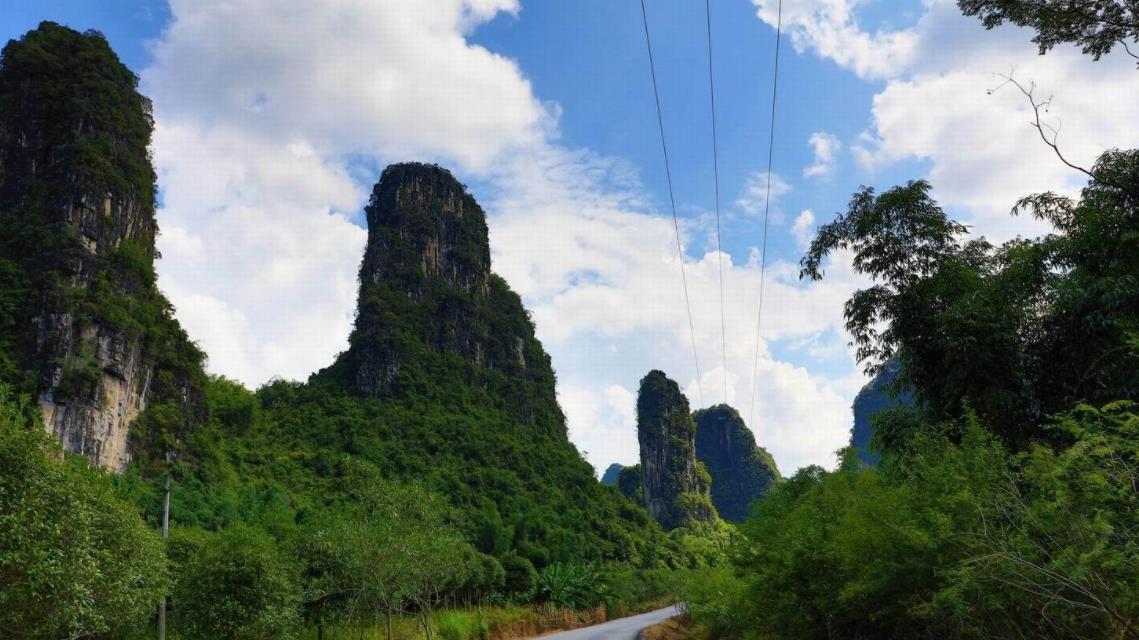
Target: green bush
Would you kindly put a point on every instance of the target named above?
(521, 579)
(629, 590)
(237, 586)
(462, 625)
(713, 598)
(570, 586)
(79, 379)
(75, 560)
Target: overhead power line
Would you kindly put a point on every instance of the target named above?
(716, 178)
(672, 200)
(766, 210)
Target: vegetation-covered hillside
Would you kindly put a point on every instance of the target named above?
(428, 466)
(741, 471)
(1005, 503)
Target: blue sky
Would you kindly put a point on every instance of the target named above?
(273, 123)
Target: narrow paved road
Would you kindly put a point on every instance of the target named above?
(619, 629)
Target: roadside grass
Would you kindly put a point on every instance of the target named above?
(482, 623)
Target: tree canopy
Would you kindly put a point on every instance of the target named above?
(1096, 26)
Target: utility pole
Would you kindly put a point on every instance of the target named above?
(165, 534)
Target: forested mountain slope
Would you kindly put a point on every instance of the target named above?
(741, 471)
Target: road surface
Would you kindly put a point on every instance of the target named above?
(619, 629)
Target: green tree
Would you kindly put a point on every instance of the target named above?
(1017, 332)
(238, 586)
(1061, 538)
(75, 559)
(521, 578)
(396, 545)
(1096, 26)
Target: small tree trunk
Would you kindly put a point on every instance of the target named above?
(389, 611)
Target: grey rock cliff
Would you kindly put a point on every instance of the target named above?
(77, 201)
(675, 490)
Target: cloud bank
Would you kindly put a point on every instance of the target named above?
(272, 126)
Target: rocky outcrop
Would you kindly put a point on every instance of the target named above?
(77, 202)
(675, 488)
(95, 421)
(429, 306)
(741, 471)
(611, 474)
(878, 395)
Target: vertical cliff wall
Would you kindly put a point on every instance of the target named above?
(85, 328)
(741, 471)
(675, 490)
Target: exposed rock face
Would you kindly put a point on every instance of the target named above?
(429, 305)
(95, 424)
(77, 207)
(873, 398)
(675, 490)
(741, 471)
(611, 474)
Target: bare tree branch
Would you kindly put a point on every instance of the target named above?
(1042, 127)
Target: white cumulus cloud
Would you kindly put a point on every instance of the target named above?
(830, 29)
(272, 126)
(935, 105)
(826, 147)
(804, 227)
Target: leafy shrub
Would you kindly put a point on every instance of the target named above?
(79, 379)
(570, 586)
(75, 559)
(238, 586)
(713, 598)
(629, 590)
(520, 579)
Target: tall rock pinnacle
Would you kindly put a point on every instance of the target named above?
(740, 470)
(429, 308)
(675, 488)
(86, 331)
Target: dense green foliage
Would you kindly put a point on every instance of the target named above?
(956, 539)
(73, 99)
(631, 484)
(984, 326)
(75, 559)
(1005, 502)
(289, 452)
(520, 579)
(237, 585)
